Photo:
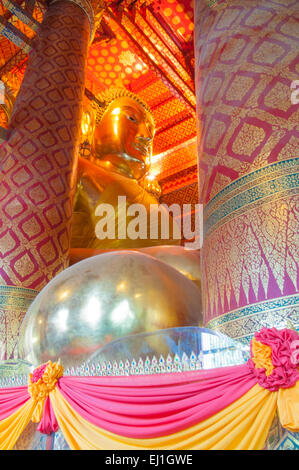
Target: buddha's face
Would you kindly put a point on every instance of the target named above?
(123, 139)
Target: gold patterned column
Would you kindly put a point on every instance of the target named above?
(38, 163)
(246, 61)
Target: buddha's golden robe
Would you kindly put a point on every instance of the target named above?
(95, 186)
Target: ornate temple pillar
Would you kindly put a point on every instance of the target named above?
(248, 129)
(38, 163)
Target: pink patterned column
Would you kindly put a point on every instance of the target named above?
(246, 60)
(38, 166)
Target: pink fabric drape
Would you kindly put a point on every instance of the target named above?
(11, 399)
(155, 405)
(48, 422)
(148, 406)
(152, 406)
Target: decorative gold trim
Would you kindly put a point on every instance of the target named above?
(241, 323)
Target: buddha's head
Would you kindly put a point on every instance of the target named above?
(123, 133)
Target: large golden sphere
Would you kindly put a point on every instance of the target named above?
(185, 261)
(104, 298)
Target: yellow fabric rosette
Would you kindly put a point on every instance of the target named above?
(261, 356)
(40, 389)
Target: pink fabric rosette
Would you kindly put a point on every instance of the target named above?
(295, 352)
(284, 358)
(38, 373)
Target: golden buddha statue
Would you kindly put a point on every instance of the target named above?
(118, 139)
(121, 292)
(116, 150)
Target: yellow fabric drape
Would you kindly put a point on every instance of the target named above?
(242, 425)
(13, 426)
(288, 407)
(262, 356)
